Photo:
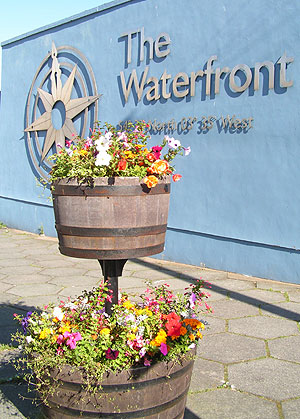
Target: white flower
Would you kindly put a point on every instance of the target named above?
(187, 150)
(122, 136)
(172, 143)
(141, 330)
(103, 143)
(71, 305)
(69, 151)
(108, 135)
(192, 346)
(142, 352)
(29, 339)
(141, 318)
(130, 318)
(102, 159)
(57, 312)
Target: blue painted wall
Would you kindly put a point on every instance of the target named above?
(237, 206)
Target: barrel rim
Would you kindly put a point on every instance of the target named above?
(157, 370)
(105, 186)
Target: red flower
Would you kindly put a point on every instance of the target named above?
(111, 354)
(173, 324)
(122, 164)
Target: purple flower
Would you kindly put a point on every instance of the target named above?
(24, 321)
(111, 354)
(147, 362)
(192, 300)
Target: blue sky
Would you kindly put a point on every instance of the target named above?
(20, 16)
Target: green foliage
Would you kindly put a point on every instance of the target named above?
(79, 333)
(108, 152)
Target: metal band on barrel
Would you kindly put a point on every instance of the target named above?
(107, 190)
(110, 232)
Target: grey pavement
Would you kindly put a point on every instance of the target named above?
(248, 362)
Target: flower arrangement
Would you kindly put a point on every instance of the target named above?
(159, 326)
(109, 152)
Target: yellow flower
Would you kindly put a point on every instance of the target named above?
(141, 311)
(105, 331)
(45, 333)
(199, 335)
(192, 337)
(127, 304)
(131, 336)
(160, 338)
(83, 152)
(129, 154)
(64, 329)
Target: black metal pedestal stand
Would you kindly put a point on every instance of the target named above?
(111, 270)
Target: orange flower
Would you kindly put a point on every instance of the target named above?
(176, 177)
(151, 181)
(159, 167)
(151, 157)
(183, 330)
(194, 323)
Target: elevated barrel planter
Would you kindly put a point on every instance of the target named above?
(153, 392)
(114, 218)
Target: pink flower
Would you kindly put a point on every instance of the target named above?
(59, 351)
(187, 150)
(60, 339)
(68, 143)
(163, 349)
(72, 339)
(156, 150)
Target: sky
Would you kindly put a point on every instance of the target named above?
(20, 16)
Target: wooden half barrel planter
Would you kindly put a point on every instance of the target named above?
(115, 218)
(153, 392)
(112, 220)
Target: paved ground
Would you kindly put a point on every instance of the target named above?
(248, 363)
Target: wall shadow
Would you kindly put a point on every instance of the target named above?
(256, 302)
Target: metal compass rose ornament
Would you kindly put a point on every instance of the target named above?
(58, 105)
